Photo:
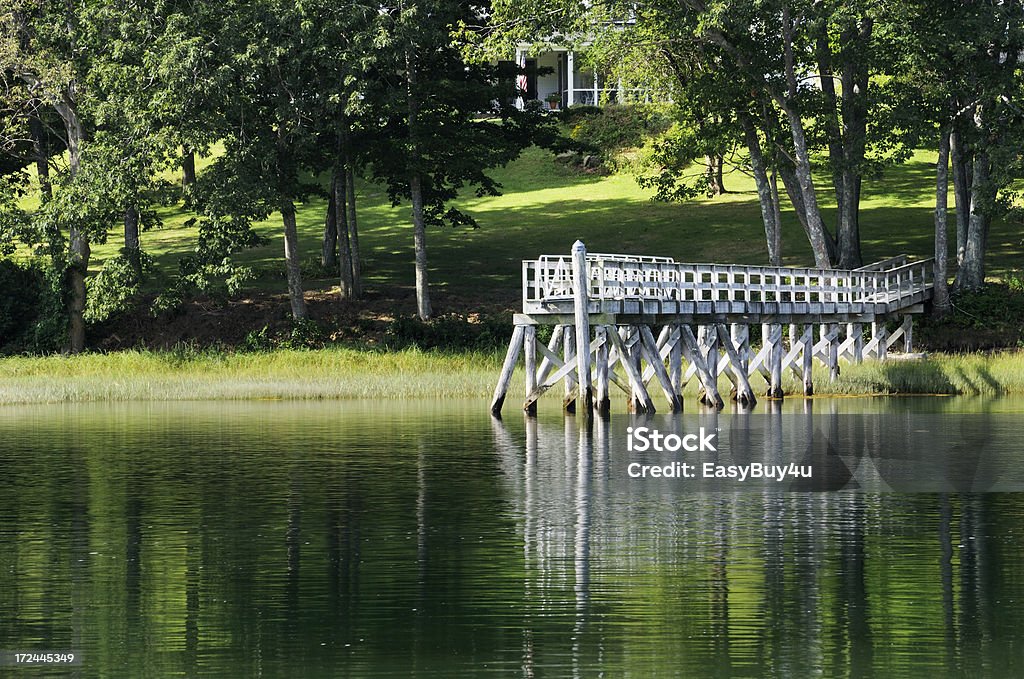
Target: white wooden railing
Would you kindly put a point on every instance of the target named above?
(895, 283)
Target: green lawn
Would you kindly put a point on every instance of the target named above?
(545, 207)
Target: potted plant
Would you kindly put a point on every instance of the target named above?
(553, 99)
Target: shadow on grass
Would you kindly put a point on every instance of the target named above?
(917, 377)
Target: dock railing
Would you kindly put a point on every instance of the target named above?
(894, 283)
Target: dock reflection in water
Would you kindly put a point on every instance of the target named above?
(775, 581)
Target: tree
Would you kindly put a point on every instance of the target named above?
(433, 141)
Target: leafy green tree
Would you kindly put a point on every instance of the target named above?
(432, 140)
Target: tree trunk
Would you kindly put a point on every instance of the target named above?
(353, 229)
(972, 270)
(792, 186)
(42, 153)
(855, 116)
(823, 54)
(341, 217)
(420, 242)
(764, 190)
(291, 259)
(712, 176)
(188, 168)
(816, 232)
(132, 244)
(416, 189)
(940, 294)
(329, 246)
(777, 246)
(719, 183)
(961, 190)
(79, 249)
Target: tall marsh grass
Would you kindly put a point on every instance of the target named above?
(412, 373)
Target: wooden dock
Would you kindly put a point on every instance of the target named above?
(630, 321)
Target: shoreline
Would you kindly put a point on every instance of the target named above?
(347, 373)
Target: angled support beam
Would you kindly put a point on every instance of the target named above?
(744, 393)
(546, 365)
(511, 356)
(635, 379)
(654, 359)
(699, 364)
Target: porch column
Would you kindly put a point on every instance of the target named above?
(597, 102)
(570, 67)
(521, 79)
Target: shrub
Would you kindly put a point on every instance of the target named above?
(619, 127)
(33, 315)
(115, 289)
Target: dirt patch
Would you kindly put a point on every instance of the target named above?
(206, 322)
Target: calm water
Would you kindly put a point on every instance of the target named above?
(357, 539)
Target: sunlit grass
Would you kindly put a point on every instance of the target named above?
(360, 374)
(545, 207)
(283, 374)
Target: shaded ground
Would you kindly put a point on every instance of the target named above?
(263, 320)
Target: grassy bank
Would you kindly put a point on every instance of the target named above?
(350, 373)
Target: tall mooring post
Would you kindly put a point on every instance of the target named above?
(581, 301)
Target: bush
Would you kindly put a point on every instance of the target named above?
(33, 315)
(987, 318)
(451, 332)
(115, 289)
(619, 127)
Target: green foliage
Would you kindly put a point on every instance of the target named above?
(673, 155)
(209, 270)
(115, 289)
(31, 309)
(304, 334)
(614, 128)
(991, 316)
(449, 332)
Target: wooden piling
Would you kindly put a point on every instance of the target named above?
(569, 356)
(675, 362)
(602, 400)
(908, 334)
(511, 356)
(530, 356)
(807, 357)
(775, 356)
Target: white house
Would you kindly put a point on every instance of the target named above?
(566, 79)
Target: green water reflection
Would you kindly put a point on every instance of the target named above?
(357, 539)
